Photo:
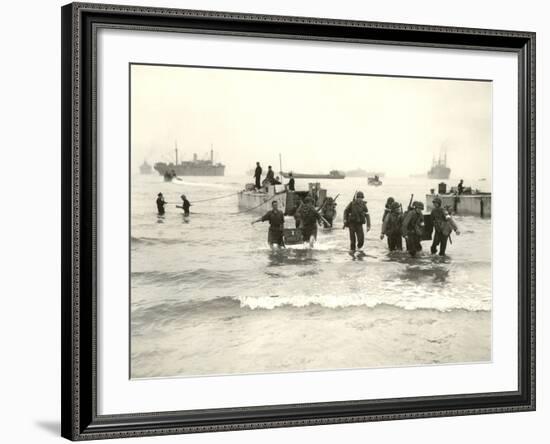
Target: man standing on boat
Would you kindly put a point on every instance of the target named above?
(257, 176)
(290, 183)
(270, 176)
(276, 224)
(355, 215)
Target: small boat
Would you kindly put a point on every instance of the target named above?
(334, 174)
(374, 181)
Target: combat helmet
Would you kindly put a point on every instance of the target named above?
(395, 206)
(436, 200)
(359, 194)
(418, 205)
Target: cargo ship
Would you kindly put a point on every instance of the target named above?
(439, 169)
(193, 167)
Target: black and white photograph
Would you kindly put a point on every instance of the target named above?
(247, 222)
(287, 221)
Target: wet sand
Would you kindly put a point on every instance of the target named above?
(225, 338)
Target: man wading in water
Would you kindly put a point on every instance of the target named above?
(160, 204)
(276, 224)
(355, 215)
(444, 225)
(309, 218)
(413, 227)
(185, 204)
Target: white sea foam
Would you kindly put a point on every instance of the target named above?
(410, 301)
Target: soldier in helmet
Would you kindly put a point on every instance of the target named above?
(391, 227)
(309, 218)
(413, 227)
(443, 226)
(355, 215)
(387, 208)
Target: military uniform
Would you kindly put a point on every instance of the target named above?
(444, 226)
(391, 227)
(355, 215)
(329, 211)
(276, 222)
(440, 240)
(308, 221)
(412, 228)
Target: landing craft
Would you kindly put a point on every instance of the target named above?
(260, 201)
(471, 202)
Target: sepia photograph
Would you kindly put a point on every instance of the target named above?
(288, 221)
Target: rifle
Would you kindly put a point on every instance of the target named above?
(325, 201)
(410, 203)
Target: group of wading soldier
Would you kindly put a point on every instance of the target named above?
(161, 203)
(396, 224)
(410, 225)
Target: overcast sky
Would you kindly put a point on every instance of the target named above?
(317, 122)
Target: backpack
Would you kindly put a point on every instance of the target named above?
(393, 223)
(309, 215)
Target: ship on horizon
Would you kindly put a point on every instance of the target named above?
(360, 172)
(145, 168)
(439, 169)
(195, 167)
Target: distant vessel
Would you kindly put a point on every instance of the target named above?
(374, 181)
(145, 168)
(334, 174)
(439, 169)
(360, 172)
(194, 167)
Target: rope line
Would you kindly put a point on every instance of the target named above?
(206, 200)
(229, 195)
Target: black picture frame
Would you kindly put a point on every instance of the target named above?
(80, 420)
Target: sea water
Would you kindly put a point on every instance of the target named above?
(214, 274)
